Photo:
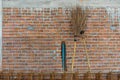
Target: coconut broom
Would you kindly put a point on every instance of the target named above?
(78, 21)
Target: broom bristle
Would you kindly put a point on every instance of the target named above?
(78, 20)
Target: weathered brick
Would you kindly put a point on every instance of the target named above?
(37, 48)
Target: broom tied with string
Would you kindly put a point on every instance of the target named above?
(78, 20)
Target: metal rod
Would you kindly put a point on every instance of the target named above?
(63, 55)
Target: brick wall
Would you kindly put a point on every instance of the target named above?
(32, 40)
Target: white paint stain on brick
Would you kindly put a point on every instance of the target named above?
(114, 15)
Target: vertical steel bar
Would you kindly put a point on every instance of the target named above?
(31, 76)
(40, 76)
(109, 76)
(64, 76)
(98, 76)
(118, 77)
(52, 76)
(1, 75)
(11, 75)
(19, 75)
(75, 76)
(7, 76)
(87, 76)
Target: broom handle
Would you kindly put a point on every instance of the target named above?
(87, 56)
(73, 57)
